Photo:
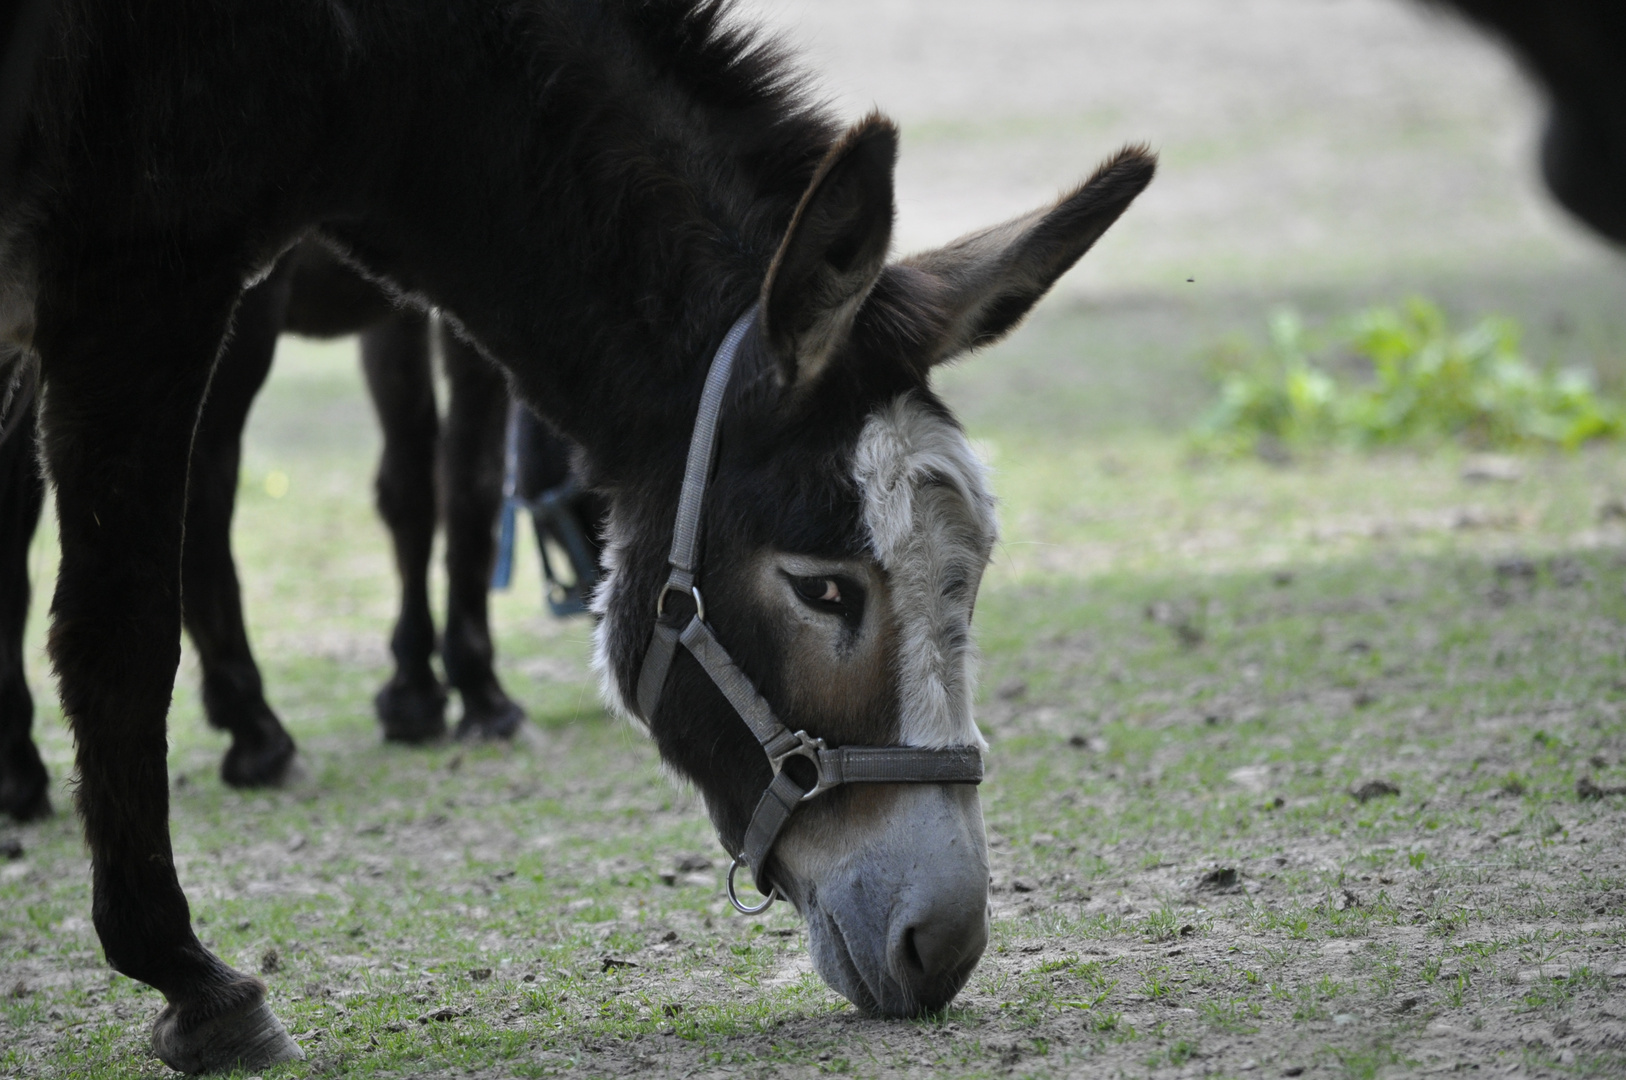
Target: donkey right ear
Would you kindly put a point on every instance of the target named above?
(832, 253)
(987, 282)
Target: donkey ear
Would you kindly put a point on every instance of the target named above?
(988, 281)
(833, 252)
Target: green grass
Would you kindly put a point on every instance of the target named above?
(1187, 667)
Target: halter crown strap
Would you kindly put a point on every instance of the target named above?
(831, 768)
(686, 535)
(702, 449)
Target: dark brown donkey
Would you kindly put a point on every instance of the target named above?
(312, 294)
(1577, 49)
(603, 194)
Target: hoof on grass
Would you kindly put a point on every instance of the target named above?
(248, 1037)
(24, 785)
(501, 719)
(412, 711)
(267, 761)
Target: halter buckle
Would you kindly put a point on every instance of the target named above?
(807, 747)
(669, 587)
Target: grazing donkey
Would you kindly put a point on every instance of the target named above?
(328, 299)
(1577, 48)
(309, 293)
(682, 262)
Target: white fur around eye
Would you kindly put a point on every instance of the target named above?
(930, 520)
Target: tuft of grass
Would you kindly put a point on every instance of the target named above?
(1390, 376)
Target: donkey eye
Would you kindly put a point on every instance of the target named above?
(834, 594)
(823, 590)
(819, 590)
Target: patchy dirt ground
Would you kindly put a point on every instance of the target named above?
(1343, 815)
(1296, 771)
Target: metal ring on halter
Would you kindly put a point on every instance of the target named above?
(694, 591)
(733, 897)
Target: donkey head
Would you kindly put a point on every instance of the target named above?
(845, 535)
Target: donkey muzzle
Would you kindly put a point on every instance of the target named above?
(898, 921)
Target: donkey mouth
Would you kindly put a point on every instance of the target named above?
(871, 990)
(834, 961)
(897, 922)
(878, 969)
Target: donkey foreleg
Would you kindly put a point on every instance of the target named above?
(472, 464)
(24, 785)
(126, 353)
(261, 749)
(395, 357)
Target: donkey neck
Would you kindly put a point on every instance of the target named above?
(597, 203)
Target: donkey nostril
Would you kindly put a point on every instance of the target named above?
(928, 951)
(933, 951)
(911, 953)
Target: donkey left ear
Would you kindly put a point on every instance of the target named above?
(986, 282)
(833, 252)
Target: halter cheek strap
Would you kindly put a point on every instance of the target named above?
(831, 767)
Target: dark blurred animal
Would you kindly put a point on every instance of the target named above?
(1577, 50)
(617, 200)
(22, 29)
(312, 294)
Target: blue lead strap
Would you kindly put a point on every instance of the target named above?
(502, 572)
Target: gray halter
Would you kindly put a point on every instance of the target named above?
(843, 765)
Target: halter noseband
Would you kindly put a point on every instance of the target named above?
(833, 767)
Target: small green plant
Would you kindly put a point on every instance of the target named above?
(1392, 376)
(1181, 1052)
(1105, 1021)
(1160, 925)
(1233, 1015)
(1307, 1005)
(1328, 987)
(1366, 1063)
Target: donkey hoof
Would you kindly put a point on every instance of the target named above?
(25, 789)
(263, 764)
(248, 1037)
(26, 806)
(480, 724)
(411, 712)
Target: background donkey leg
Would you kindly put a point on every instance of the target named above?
(211, 600)
(476, 419)
(24, 793)
(395, 357)
(126, 353)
